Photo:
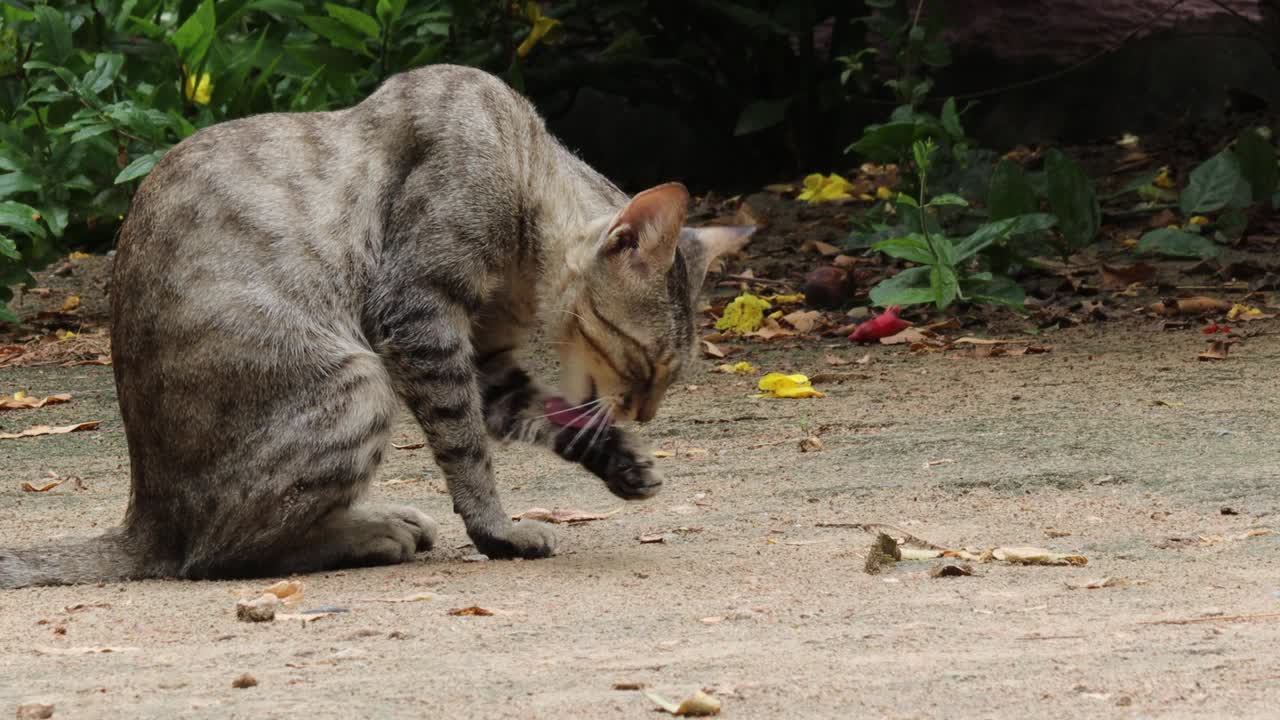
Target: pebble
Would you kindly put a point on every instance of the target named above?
(244, 681)
(260, 609)
(35, 711)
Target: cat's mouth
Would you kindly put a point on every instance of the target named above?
(594, 412)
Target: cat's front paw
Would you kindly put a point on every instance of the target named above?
(628, 469)
(528, 539)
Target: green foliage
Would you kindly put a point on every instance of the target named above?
(1258, 164)
(950, 268)
(1215, 184)
(1074, 200)
(95, 94)
(1177, 243)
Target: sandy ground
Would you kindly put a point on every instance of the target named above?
(1117, 437)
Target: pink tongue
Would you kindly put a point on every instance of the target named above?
(563, 414)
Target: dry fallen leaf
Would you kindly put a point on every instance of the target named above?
(811, 444)
(951, 570)
(738, 368)
(1036, 556)
(663, 454)
(290, 591)
(28, 487)
(47, 430)
(835, 360)
(980, 341)
(910, 335)
(1217, 351)
(244, 681)
(409, 446)
(1120, 277)
(770, 329)
(22, 401)
(563, 516)
(803, 321)
(817, 246)
(696, 705)
(474, 610)
(1198, 305)
(710, 349)
(70, 304)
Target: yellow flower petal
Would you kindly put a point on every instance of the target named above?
(744, 314)
(778, 385)
(883, 193)
(785, 299)
(20, 395)
(1237, 310)
(1163, 180)
(541, 26)
(1198, 220)
(199, 91)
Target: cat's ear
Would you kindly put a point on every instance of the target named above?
(645, 232)
(701, 247)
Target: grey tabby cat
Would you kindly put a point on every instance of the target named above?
(282, 281)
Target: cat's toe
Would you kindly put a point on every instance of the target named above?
(421, 529)
(524, 539)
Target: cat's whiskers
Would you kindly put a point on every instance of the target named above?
(587, 404)
(600, 414)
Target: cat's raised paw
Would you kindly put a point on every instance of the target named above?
(629, 472)
(527, 539)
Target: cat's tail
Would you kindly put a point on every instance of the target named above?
(106, 558)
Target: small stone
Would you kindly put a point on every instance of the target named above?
(35, 711)
(260, 609)
(244, 681)
(1212, 612)
(1229, 511)
(1124, 701)
(475, 557)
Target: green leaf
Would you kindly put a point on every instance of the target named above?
(887, 142)
(193, 37)
(389, 11)
(56, 217)
(54, 34)
(353, 19)
(761, 115)
(106, 66)
(21, 217)
(1257, 159)
(1135, 185)
(912, 248)
(947, 199)
(1073, 199)
(17, 182)
(9, 248)
(1010, 194)
(284, 8)
(89, 131)
(944, 284)
(999, 290)
(335, 32)
(951, 119)
(983, 237)
(139, 167)
(905, 199)
(909, 287)
(1216, 184)
(6, 315)
(1177, 243)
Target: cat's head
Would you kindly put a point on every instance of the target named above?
(629, 329)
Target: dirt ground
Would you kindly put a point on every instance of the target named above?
(1117, 445)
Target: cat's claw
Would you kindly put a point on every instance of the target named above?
(527, 539)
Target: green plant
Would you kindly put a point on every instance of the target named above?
(948, 269)
(93, 94)
(1226, 184)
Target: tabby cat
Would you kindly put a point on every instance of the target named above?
(283, 280)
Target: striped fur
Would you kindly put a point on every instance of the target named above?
(285, 282)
